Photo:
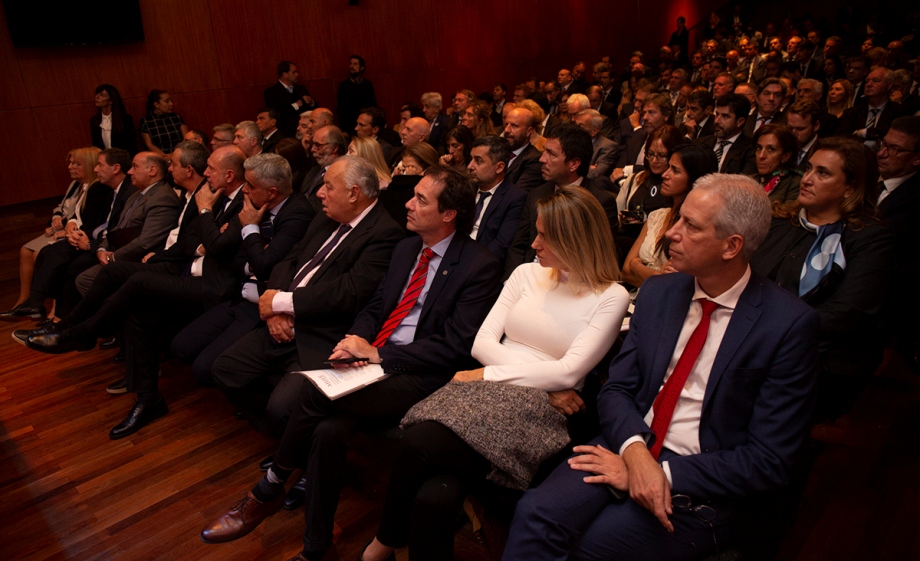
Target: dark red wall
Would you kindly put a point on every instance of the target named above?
(216, 57)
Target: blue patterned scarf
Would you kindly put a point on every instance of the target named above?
(826, 252)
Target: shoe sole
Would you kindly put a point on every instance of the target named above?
(11, 319)
(18, 340)
(119, 391)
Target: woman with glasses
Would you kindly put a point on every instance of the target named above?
(649, 255)
(829, 249)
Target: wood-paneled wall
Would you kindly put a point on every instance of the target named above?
(216, 57)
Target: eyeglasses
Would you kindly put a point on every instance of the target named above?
(702, 512)
(893, 150)
(663, 156)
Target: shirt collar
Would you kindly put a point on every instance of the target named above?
(441, 247)
(729, 298)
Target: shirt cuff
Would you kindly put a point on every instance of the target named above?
(667, 473)
(249, 229)
(283, 303)
(631, 440)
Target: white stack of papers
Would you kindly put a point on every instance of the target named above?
(336, 382)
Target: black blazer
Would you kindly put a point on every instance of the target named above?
(520, 250)
(740, 157)
(464, 288)
(524, 171)
(96, 207)
(437, 131)
(854, 119)
(500, 220)
(396, 195)
(222, 268)
(850, 303)
(278, 98)
(288, 230)
(125, 190)
(343, 284)
(126, 138)
(268, 144)
(751, 122)
(635, 143)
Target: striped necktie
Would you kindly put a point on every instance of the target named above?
(410, 297)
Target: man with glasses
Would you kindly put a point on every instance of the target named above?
(223, 136)
(705, 411)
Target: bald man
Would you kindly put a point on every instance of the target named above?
(414, 131)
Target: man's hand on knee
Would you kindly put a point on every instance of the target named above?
(609, 468)
(648, 484)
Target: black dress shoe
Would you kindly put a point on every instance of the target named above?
(297, 495)
(21, 335)
(119, 387)
(139, 416)
(267, 463)
(22, 312)
(60, 342)
(109, 344)
(119, 358)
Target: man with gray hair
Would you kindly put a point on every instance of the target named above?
(273, 219)
(248, 138)
(605, 150)
(222, 135)
(313, 295)
(329, 144)
(705, 439)
(437, 121)
(871, 120)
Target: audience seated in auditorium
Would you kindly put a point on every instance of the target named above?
(775, 148)
(267, 121)
(732, 148)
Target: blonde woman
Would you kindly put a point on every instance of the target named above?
(370, 150)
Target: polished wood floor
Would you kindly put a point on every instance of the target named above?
(68, 492)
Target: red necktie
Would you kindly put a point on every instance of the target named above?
(410, 297)
(667, 398)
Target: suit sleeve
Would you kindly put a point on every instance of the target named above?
(506, 233)
(531, 176)
(222, 246)
(606, 159)
(161, 216)
(777, 428)
(261, 258)
(521, 242)
(449, 348)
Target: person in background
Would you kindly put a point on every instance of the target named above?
(161, 129)
(111, 126)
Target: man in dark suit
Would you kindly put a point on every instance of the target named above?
(733, 149)
(565, 161)
(656, 112)
(267, 121)
(870, 120)
(524, 166)
(437, 121)
(899, 207)
(420, 335)
(856, 70)
(153, 300)
(498, 202)
(288, 98)
(273, 220)
(802, 120)
(371, 120)
(698, 121)
(708, 403)
(770, 95)
(354, 93)
(499, 94)
(329, 144)
(314, 294)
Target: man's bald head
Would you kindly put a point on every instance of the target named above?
(414, 131)
(320, 117)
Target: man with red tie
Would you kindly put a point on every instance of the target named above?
(705, 411)
(419, 327)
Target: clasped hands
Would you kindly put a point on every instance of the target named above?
(635, 471)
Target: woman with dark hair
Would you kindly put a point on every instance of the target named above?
(833, 70)
(161, 129)
(775, 147)
(649, 255)
(459, 147)
(551, 325)
(640, 193)
(829, 249)
(111, 126)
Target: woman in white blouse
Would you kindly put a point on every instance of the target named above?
(552, 324)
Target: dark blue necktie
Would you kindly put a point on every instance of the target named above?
(319, 257)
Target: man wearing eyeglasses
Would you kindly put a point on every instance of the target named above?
(899, 206)
(706, 409)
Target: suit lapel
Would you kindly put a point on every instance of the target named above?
(352, 237)
(495, 203)
(675, 313)
(746, 314)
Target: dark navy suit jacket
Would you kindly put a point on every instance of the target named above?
(464, 288)
(758, 401)
(501, 218)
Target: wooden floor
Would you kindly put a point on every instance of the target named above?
(68, 492)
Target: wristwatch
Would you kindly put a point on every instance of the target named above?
(204, 210)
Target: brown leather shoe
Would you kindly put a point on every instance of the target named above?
(242, 518)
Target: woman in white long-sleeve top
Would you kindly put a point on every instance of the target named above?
(552, 324)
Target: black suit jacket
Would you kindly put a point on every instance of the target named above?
(278, 98)
(854, 119)
(222, 268)
(751, 122)
(524, 171)
(464, 288)
(268, 144)
(126, 139)
(344, 282)
(288, 229)
(740, 157)
(520, 250)
(635, 143)
(125, 190)
(901, 212)
(437, 131)
(500, 220)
